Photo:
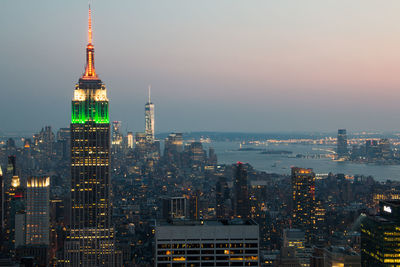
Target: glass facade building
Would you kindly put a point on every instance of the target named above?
(380, 236)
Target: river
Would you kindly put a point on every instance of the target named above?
(228, 153)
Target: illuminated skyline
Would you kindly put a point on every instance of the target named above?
(270, 65)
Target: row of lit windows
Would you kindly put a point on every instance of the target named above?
(209, 258)
(226, 252)
(208, 245)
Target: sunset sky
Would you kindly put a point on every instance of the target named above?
(214, 65)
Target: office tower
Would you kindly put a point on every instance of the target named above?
(385, 149)
(173, 146)
(372, 149)
(11, 187)
(380, 236)
(11, 149)
(63, 134)
(342, 150)
(117, 137)
(176, 208)
(197, 155)
(46, 141)
(63, 143)
(222, 197)
(303, 205)
(287, 258)
(11, 170)
(295, 238)
(242, 203)
(90, 241)
(317, 257)
(209, 243)
(140, 151)
(37, 211)
(149, 118)
(15, 213)
(130, 140)
(212, 157)
(342, 256)
(34, 240)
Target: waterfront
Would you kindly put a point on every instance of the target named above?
(228, 153)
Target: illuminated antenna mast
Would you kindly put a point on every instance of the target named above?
(149, 93)
(90, 72)
(90, 26)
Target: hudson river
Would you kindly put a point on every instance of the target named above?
(228, 153)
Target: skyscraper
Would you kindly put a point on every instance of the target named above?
(342, 143)
(242, 203)
(303, 212)
(117, 137)
(149, 118)
(11, 203)
(90, 241)
(14, 213)
(380, 236)
(130, 140)
(222, 196)
(173, 146)
(37, 211)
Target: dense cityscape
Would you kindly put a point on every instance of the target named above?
(93, 194)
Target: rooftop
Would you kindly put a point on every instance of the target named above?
(183, 222)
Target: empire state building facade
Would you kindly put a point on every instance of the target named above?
(90, 241)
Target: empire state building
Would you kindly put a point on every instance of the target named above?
(90, 241)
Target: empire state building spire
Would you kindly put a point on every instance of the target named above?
(90, 72)
(90, 238)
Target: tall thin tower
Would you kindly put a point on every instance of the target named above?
(90, 241)
(242, 204)
(37, 211)
(342, 149)
(303, 204)
(149, 118)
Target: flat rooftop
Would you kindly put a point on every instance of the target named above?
(180, 230)
(183, 222)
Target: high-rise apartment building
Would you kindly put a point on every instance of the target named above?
(303, 202)
(90, 241)
(242, 202)
(207, 243)
(380, 236)
(38, 211)
(149, 118)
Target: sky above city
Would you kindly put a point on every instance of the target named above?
(250, 66)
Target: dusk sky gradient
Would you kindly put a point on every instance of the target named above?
(214, 65)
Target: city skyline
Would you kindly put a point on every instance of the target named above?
(308, 66)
